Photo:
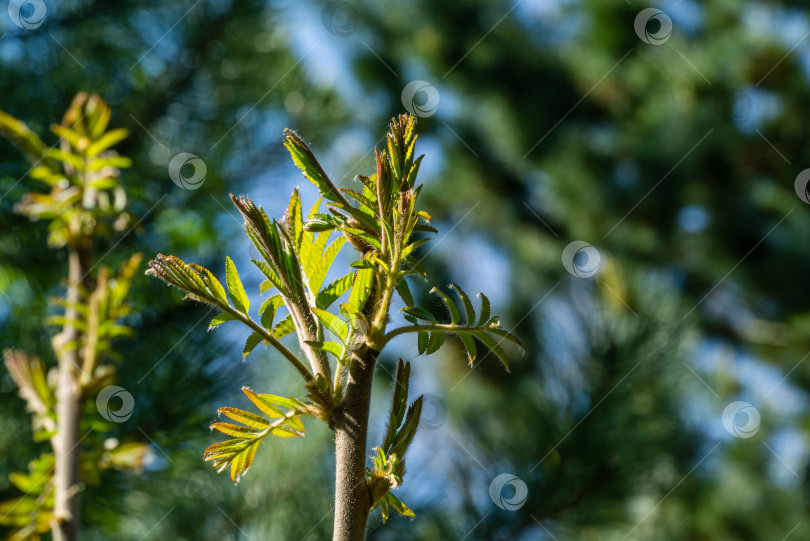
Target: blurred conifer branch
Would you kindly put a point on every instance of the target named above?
(86, 202)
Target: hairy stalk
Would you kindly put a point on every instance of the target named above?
(350, 423)
(353, 499)
(69, 400)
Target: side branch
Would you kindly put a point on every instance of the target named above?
(442, 327)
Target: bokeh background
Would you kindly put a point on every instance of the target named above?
(669, 140)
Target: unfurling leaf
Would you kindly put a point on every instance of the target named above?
(308, 164)
(398, 506)
(197, 281)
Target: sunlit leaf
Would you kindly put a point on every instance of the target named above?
(236, 291)
(454, 314)
(468, 307)
(484, 318)
(332, 322)
(245, 417)
(252, 341)
(330, 347)
(222, 317)
(267, 311)
(283, 327)
(333, 291)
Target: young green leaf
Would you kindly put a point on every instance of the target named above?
(237, 431)
(238, 453)
(236, 291)
(469, 345)
(211, 283)
(468, 307)
(333, 291)
(413, 246)
(269, 405)
(494, 347)
(245, 417)
(267, 311)
(435, 342)
(454, 314)
(252, 341)
(484, 310)
(398, 506)
(361, 289)
(422, 341)
(292, 220)
(272, 278)
(330, 347)
(317, 268)
(222, 317)
(405, 292)
(308, 164)
(332, 322)
(420, 313)
(283, 327)
(266, 407)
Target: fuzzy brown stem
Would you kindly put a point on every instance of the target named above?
(68, 408)
(350, 423)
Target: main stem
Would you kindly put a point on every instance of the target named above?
(350, 423)
(68, 408)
